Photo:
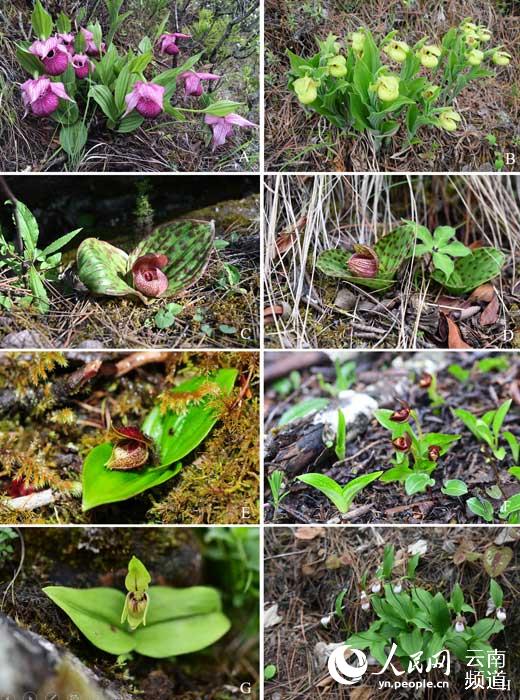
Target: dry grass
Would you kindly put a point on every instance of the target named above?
(163, 145)
(330, 211)
(304, 577)
(300, 141)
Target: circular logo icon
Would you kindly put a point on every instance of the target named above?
(343, 672)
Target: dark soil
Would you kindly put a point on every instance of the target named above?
(84, 558)
(47, 429)
(392, 378)
(299, 140)
(306, 569)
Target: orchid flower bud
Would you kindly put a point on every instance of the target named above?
(501, 614)
(491, 607)
(325, 621)
(429, 55)
(501, 58)
(358, 41)
(398, 587)
(364, 262)
(397, 50)
(460, 624)
(376, 587)
(387, 87)
(168, 42)
(337, 66)
(475, 57)
(306, 89)
(403, 443)
(449, 120)
(91, 49)
(148, 276)
(468, 26)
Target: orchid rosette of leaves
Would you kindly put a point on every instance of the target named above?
(165, 263)
(155, 621)
(377, 267)
(76, 71)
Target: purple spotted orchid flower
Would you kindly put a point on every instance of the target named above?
(193, 82)
(223, 126)
(91, 49)
(168, 42)
(42, 96)
(66, 40)
(146, 98)
(82, 65)
(52, 54)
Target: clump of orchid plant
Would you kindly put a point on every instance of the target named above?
(416, 452)
(381, 87)
(172, 258)
(75, 71)
(420, 624)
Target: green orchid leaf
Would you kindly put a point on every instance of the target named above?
(175, 435)
(454, 487)
(417, 483)
(496, 593)
(393, 249)
(97, 614)
(179, 621)
(302, 409)
(472, 270)
(481, 507)
(187, 245)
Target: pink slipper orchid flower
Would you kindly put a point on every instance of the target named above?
(42, 96)
(52, 54)
(146, 98)
(82, 65)
(91, 49)
(67, 40)
(148, 277)
(223, 126)
(168, 42)
(193, 84)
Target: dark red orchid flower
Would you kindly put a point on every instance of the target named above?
(403, 443)
(401, 415)
(131, 449)
(148, 276)
(434, 452)
(425, 381)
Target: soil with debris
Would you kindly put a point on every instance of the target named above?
(219, 310)
(388, 380)
(307, 568)
(55, 407)
(89, 557)
(300, 140)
